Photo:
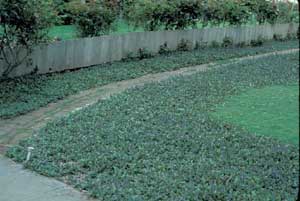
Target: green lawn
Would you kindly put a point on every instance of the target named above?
(21, 95)
(121, 26)
(66, 32)
(63, 32)
(159, 142)
(271, 111)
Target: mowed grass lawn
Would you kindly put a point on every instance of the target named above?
(66, 32)
(271, 111)
(63, 32)
(160, 141)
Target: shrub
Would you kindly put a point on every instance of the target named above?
(146, 14)
(234, 13)
(185, 45)
(61, 13)
(130, 56)
(230, 11)
(214, 44)
(263, 10)
(279, 37)
(181, 14)
(291, 36)
(143, 53)
(237, 14)
(241, 44)
(212, 13)
(71, 10)
(164, 49)
(24, 24)
(258, 42)
(186, 14)
(92, 19)
(164, 14)
(200, 45)
(126, 7)
(287, 12)
(227, 42)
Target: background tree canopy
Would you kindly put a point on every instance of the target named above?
(24, 24)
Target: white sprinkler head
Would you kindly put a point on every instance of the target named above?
(29, 149)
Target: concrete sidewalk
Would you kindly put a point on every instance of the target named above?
(17, 184)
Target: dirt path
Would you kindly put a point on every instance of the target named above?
(12, 130)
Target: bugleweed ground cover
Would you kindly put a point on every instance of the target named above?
(21, 95)
(160, 142)
(272, 111)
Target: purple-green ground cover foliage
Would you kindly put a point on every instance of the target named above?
(159, 142)
(21, 95)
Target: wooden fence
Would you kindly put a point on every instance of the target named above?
(83, 52)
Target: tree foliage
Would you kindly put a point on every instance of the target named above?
(170, 15)
(180, 14)
(230, 11)
(24, 24)
(288, 12)
(92, 18)
(264, 10)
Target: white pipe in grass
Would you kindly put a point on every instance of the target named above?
(29, 150)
